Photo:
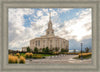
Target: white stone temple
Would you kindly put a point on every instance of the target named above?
(49, 40)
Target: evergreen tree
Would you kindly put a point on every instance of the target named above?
(43, 50)
(36, 50)
(62, 50)
(56, 49)
(47, 50)
(28, 49)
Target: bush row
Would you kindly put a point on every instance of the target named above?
(34, 56)
(28, 55)
(84, 55)
(15, 59)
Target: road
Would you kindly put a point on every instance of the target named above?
(66, 59)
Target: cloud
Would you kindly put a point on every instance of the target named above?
(39, 13)
(19, 35)
(63, 10)
(77, 28)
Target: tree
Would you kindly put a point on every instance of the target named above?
(47, 50)
(62, 50)
(87, 50)
(52, 50)
(40, 50)
(56, 49)
(36, 50)
(43, 50)
(66, 50)
(28, 49)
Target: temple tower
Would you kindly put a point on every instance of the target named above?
(50, 30)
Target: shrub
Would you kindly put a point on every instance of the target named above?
(22, 59)
(37, 56)
(28, 55)
(12, 59)
(72, 53)
(17, 54)
(55, 53)
(84, 54)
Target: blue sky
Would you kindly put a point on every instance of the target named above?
(73, 24)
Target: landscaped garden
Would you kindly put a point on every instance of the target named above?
(20, 57)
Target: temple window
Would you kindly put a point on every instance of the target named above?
(38, 42)
(50, 46)
(43, 46)
(50, 41)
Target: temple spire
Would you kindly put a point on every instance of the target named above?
(49, 23)
(50, 30)
(50, 16)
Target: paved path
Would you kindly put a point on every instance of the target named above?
(67, 59)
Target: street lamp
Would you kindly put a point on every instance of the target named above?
(81, 52)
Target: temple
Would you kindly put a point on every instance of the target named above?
(49, 40)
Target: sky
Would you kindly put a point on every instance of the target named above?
(73, 24)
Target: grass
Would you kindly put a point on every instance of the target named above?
(23, 54)
(87, 57)
(31, 55)
(45, 54)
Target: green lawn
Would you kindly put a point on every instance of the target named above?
(23, 54)
(86, 57)
(45, 54)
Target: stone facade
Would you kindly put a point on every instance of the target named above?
(24, 49)
(49, 40)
